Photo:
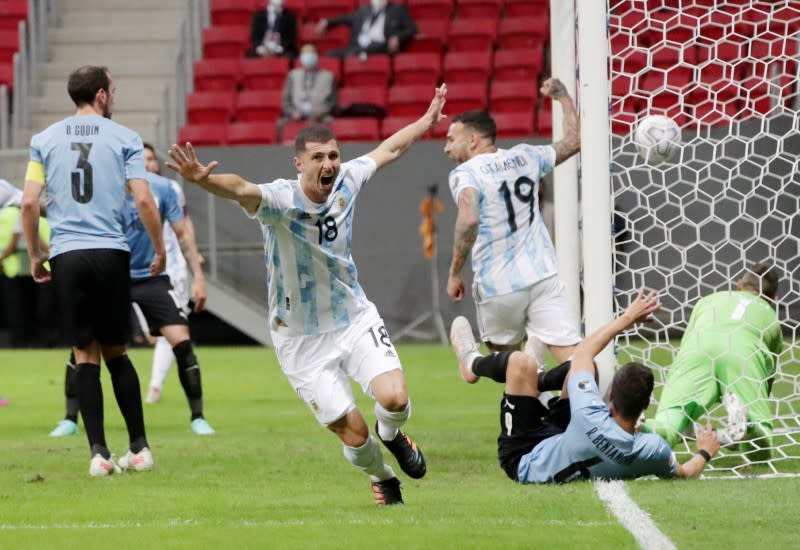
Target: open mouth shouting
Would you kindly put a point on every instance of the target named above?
(326, 180)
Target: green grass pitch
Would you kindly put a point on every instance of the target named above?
(272, 478)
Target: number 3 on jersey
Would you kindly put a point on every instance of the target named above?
(82, 194)
(523, 191)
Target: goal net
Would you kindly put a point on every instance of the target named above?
(727, 72)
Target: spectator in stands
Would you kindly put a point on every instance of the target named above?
(273, 31)
(309, 92)
(379, 27)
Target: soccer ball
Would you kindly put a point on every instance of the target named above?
(657, 139)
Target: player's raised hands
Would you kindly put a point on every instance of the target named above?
(640, 309)
(553, 87)
(434, 113)
(187, 165)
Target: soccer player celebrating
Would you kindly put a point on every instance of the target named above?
(323, 326)
(87, 162)
(727, 353)
(579, 437)
(517, 290)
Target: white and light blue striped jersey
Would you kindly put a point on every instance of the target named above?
(176, 263)
(9, 195)
(513, 249)
(594, 445)
(87, 161)
(311, 276)
(142, 250)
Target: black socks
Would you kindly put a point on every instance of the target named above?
(129, 398)
(492, 366)
(189, 375)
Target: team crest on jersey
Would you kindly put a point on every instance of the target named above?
(314, 405)
(584, 385)
(341, 202)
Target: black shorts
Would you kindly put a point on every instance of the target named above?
(93, 290)
(524, 423)
(158, 303)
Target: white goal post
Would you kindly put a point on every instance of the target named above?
(727, 72)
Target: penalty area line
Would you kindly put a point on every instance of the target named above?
(634, 519)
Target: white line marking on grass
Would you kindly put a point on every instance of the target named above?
(633, 518)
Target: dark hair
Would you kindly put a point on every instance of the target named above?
(85, 82)
(312, 134)
(631, 389)
(760, 278)
(480, 121)
(146, 145)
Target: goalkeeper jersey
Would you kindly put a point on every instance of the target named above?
(594, 445)
(737, 323)
(513, 249)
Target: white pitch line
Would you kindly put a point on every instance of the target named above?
(634, 519)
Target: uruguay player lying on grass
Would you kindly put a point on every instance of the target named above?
(578, 436)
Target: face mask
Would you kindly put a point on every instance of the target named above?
(378, 5)
(308, 60)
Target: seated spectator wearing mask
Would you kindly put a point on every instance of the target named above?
(309, 92)
(379, 27)
(273, 31)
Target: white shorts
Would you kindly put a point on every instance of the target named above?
(180, 285)
(318, 366)
(541, 310)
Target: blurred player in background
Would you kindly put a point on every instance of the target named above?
(727, 354)
(191, 297)
(87, 163)
(323, 327)
(517, 290)
(579, 437)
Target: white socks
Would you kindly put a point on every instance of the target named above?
(162, 361)
(389, 422)
(369, 459)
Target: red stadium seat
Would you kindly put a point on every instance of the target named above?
(332, 64)
(356, 129)
(417, 68)
(7, 75)
(210, 107)
(516, 33)
(430, 37)
(291, 129)
(373, 71)
(227, 42)
(514, 123)
(466, 97)
(544, 122)
(474, 34)
(297, 7)
(9, 45)
(362, 101)
(479, 8)
(623, 118)
(11, 13)
(526, 8)
(430, 9)
(518, 64)
(264, 73)
(259, 105)
(203, 134)
(233, 12)
(216, 74)
(243, 133)
(392, 124)
(467, 67)
(336, 37)
(509, 97)
(410, 100)
(325, 9)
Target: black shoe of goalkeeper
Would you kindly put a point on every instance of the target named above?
(408, 455)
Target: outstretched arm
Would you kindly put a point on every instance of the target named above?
(465, 234)
(707, 443)
(571, 142)
(184, 230)
(397, 144)
(638, 312)
(227, 186)
(31, 209)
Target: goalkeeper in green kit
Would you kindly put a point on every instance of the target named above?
(727, 353)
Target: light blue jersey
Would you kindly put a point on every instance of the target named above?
(142, 250)
(87, 161)
(513, 249)
(311, 275)
(594, 445)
